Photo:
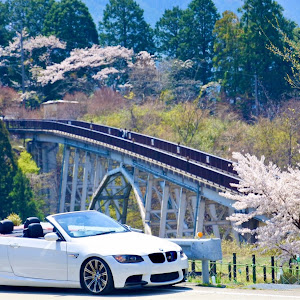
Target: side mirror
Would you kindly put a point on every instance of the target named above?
(132, 229)
(51, 237)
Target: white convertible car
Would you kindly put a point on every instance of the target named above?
(89, 250)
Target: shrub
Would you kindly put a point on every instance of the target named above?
(15, 219)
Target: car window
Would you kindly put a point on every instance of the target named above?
(88, 223)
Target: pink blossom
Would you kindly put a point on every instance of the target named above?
(265, 190)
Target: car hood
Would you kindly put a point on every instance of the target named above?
(126, 243)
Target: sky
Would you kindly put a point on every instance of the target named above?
(153, 9)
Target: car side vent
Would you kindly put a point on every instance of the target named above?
(171, 256)
(157, 258)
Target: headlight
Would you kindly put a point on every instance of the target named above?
(128, 259)
(182, 255)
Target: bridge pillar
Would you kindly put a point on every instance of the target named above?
(86, 171)
(74, 180)
(148, 197)
(181, 213)
(214, 218)
(63, 186)
(201, 216)
(164, 209)
(45, 156)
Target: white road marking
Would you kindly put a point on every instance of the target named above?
(239, 294)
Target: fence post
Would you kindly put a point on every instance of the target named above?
(213, 268)
(193, 267)
(265, 273)
(229, 271)
(290, 266)
(247, 273)
(234, 266)
(273, 268)
(253, 268)
(213, 271)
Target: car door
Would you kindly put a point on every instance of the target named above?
(4, 263)
(38, 258)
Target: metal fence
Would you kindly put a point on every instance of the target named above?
(235, 273)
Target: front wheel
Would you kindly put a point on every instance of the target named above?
(96, 277)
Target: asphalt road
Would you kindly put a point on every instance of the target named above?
(183, 291)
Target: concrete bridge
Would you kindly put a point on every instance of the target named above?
(174, 189)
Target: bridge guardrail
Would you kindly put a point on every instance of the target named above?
(202, 249)
(208, 174)
(184, 151)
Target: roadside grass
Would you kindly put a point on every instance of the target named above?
(245, 273)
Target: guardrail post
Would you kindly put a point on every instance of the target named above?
(205, 271)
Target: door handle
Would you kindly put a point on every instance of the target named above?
(14, 245)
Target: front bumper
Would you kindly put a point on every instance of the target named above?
(147, 273)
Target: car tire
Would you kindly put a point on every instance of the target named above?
(96, 277)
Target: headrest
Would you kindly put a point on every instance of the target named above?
(6, 226)
(35, 230)
(31, 220)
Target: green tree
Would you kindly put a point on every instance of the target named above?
(291, 54)
(29, 14)
(267, 71)
(167, 32)
(4, 33)
(22, 199)
(8, 167)
(27, 164)
(197, 37)
(70, 21)
(16, 195)
(228, 52)
(123, 24)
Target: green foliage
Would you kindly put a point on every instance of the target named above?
(29, 14)
(8, 167)
(27, 164)
(228, 52)
(185, 119)
(258, 31)
(197, 37)
(123, 24)
(276, 140)
(15, 219)
(289, 53)
(15, 191)
(4, 32)
(167, 32)
(70, 21)
(21, 198)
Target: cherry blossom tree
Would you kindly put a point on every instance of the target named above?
(265, 190)
(26, 56)
(100, 62)
(90, 68)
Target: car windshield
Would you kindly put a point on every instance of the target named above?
(88, 223)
